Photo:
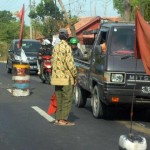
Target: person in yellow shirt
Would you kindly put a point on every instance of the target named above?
(64, 76)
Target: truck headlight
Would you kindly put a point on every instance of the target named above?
(17, 57)
(114, 77)
(117, 77)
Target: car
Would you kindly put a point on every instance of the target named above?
(30, 48)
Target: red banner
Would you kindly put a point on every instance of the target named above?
(142, 40)
(21, 16)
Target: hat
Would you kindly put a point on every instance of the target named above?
(63, 30)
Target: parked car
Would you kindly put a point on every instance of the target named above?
(30, 48)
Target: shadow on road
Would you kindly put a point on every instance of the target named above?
(123, 114)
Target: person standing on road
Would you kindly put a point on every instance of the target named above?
(64, 75)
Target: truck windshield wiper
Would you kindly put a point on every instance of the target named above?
(126, 57)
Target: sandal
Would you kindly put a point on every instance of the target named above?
(64, 123)
(56, 121)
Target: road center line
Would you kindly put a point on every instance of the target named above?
(43, 113)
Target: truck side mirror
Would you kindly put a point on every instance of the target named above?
(98, 49)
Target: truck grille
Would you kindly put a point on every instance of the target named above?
(137, 78)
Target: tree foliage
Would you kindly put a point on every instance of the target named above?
(9, 30)
(118, 6)
(48, 18)
(6, 16)
(9, 26)
(144, 6)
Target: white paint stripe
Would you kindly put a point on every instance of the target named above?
(9, 90)
(27, 77)
(140, 124)
(43, 113)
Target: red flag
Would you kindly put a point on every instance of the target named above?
(142, 40)
(21, 16)
(53, 105)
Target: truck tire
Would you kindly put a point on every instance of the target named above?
(80, 96)
(97, 106)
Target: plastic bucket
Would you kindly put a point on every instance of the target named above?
(21, 79)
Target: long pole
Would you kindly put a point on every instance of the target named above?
(72, 28)
(30, 23)
(55, 9)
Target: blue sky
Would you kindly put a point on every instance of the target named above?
(77, 7)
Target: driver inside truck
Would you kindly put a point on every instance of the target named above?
(103, 42)
(103, 47)
(118, 43)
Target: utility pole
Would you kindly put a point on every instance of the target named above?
(55, 9)
(30, 22)
(33, 27)
(72, 28)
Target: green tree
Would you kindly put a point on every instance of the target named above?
(6, 16)
(123, 8)
(9, 30)
(47, 8)
(47, 18)
(118, 6)
(144, 5)
(9, 27)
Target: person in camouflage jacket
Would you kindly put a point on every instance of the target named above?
(64, 76)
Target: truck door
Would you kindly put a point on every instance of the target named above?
(99, 56)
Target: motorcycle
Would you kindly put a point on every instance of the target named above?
(46, 69)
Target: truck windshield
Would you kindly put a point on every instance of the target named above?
(122, 41)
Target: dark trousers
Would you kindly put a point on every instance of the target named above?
(64, 96)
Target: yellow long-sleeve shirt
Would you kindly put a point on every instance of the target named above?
(63, 68)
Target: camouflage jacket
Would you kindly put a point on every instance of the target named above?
(63, 68)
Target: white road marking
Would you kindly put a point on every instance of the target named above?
(140, 124)
(9, 90)
(43, 113)
(21, 78)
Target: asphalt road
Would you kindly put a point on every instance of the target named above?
(25, 125)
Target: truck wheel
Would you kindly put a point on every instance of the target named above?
(80, 96)
(97, 106)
